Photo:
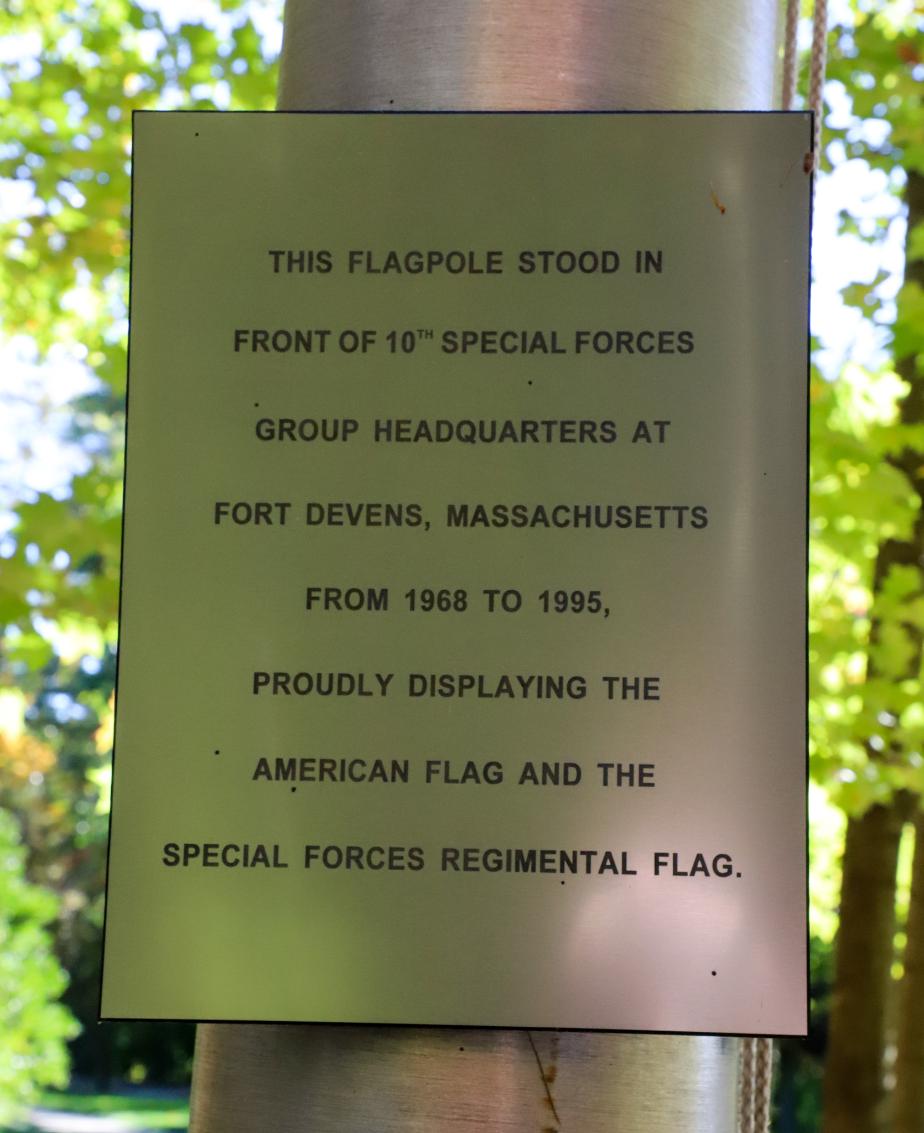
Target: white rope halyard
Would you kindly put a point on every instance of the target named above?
(817, 66)
(790, 38)
(755, 1081)
(817, 73)
(763, 1082)
(746, 1083)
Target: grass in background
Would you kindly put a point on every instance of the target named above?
(135, 1111)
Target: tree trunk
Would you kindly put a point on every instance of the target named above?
(909, 1067)
(854, 1090)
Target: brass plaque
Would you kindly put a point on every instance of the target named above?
(462, 669)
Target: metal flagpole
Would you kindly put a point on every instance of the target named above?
(493, 54)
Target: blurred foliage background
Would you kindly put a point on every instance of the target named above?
(71, 73)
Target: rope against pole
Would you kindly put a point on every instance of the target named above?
(817, 68)
(817, 74)
(746, 1082)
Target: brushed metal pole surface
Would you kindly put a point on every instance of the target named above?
(500, 55)
(421, 1080)
(529, 55)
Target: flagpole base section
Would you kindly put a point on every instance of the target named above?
(322, 1079)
